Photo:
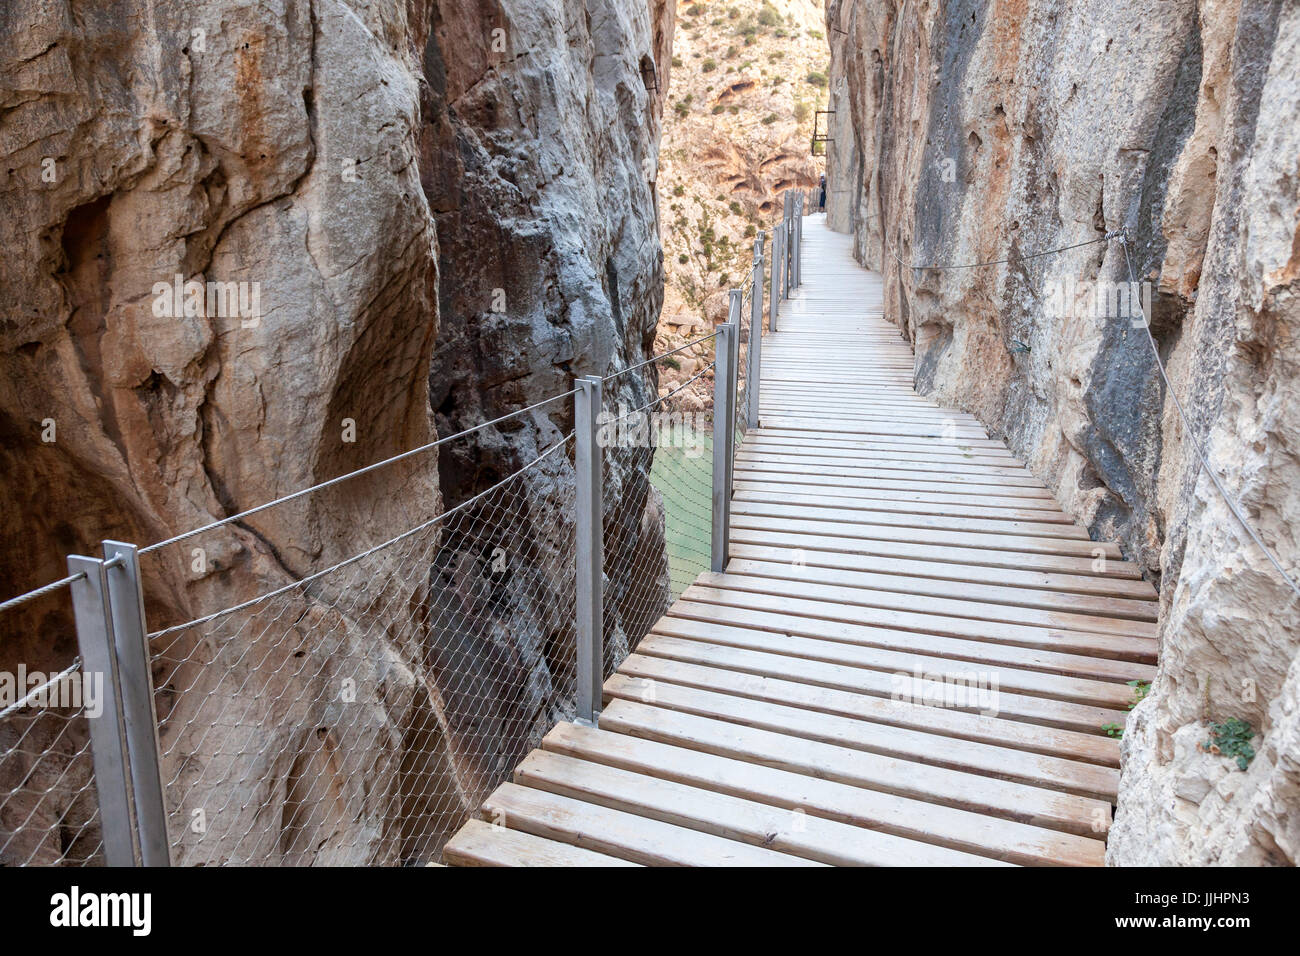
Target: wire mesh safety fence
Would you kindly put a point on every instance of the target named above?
(49, 809)
(740, 315)
(357, 715)
(657, 484)
(314, 691)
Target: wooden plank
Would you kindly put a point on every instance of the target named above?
(834, 673)
(663, 798)
(951, 722)
(888, 499)
(882, 813)
(1037, 673)
(754, 446)
(1052, 524)
(953, 538)
(823, 484)
(958, 600)
(852, 438)
(997, 484)
(984, 636)
(481, 844)
(813, 483)
(964, 791)
(882, 426)
(1004, 763)
(1099, 585)
(975, 557)
(966, 470)
(624, 835)
(865, 409)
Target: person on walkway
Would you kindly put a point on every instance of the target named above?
(821, 204)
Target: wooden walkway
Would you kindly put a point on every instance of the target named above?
(881, 546)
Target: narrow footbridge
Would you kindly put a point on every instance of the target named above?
(910, 658)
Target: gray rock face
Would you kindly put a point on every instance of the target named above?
(366, 174)
(541, 145)
(964, 133)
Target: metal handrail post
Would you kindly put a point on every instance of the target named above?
(139, 716)
(94, 623)
(774, 280)
(798, 241)
(724, 437)
(755, 354)
(590, 549)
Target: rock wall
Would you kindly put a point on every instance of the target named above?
(966, 132)
(540, 143)
(371, 173)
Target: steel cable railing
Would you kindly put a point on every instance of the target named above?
(49, 808)
(657, 486)
(49, 811)
(357, 715)
(307, 696)
(1121, 236)
(1233, 505)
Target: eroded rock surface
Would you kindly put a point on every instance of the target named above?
(374, 171)
(966, 132)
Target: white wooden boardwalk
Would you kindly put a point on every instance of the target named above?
(876, 538)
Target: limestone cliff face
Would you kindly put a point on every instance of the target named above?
(370, 173)
(540, 144)
(966, 132)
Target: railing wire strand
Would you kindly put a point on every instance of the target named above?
(1233, 506)
(655, 358)
(354, 474)
(364, 554)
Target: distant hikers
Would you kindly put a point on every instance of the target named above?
(821, 203)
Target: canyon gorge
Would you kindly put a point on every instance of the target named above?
(435, 214)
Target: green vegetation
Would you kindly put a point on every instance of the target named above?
(768, 15)
(1140, 690)
(679, 190)
(817, 78)
(802, 111)
(769, 119)
(709, 65)
(1232, 739)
